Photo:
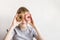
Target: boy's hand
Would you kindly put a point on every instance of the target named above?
(15, 22)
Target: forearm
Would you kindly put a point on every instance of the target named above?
(8, 35)
(38, 33)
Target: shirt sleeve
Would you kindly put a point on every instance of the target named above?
(34, 33)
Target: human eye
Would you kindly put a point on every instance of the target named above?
(28, 16)
(20, 17)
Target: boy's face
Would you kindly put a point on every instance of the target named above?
(24, 18)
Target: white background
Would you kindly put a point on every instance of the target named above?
(46, 15)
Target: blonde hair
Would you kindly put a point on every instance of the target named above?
(22, 9)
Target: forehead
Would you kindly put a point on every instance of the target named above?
(23, 13)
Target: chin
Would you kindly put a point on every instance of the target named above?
(23, 24)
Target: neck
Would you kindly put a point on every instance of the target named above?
(23, 28)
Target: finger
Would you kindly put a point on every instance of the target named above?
(15, 16)
(32, 21)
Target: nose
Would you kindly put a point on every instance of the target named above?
(23, 20)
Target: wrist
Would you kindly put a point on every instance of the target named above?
(12, 27)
